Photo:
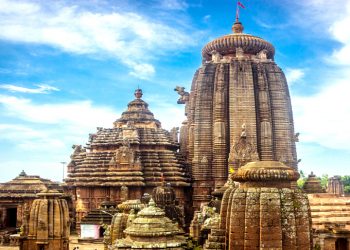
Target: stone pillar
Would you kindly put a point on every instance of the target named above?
(335, 185)
(220, 128)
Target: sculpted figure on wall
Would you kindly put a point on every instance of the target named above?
(242, 151)
(184, 96)
(124, 154)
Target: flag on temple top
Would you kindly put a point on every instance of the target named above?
(240, 4)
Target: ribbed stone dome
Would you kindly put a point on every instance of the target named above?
(228, 44)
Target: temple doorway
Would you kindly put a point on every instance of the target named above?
(11, 217)
(341, 244)
(102, 230)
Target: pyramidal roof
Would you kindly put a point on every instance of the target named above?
(135, 152)
(137, 114)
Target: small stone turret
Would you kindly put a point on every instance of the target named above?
(151, 230)
(48, 223)
(165, 198)
(264, 212)
(312, 184)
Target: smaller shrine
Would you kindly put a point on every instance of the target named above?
(313, 184)
(46, 226)
(151, 229)
(165, 198)
(16, 198)
(264, 211)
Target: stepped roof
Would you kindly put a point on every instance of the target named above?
(26, 186)
(135, 152)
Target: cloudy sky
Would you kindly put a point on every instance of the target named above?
(67, 67)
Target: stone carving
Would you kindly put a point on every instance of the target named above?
(215, 56)
(184, 96)
(296, 137)
(239, 52)
(242, 151)
(262, 55)
(124, 154)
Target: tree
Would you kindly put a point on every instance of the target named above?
(346, 181)
(324, 181)
(302, 179)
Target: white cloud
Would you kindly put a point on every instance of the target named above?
(324, 118)
(42, 89)
(173, 4)
(143, 71)
(82, 113)
(341, 32)
(294, 75)
(130, 38)
(51, 127)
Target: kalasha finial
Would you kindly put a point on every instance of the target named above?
(237, 27)
(138, 93)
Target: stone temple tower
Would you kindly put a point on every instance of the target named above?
(47, 225)
(238, 110)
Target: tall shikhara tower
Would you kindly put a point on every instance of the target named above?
(238, 110)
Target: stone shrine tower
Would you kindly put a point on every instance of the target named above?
(47, 225)
(126, 161)
(238, 110)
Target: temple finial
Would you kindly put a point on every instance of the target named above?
(138, 93)
(237, 27)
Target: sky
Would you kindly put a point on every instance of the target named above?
(68, 67)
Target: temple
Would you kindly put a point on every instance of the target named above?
(238, 110)
(126, 161)
(228, 182)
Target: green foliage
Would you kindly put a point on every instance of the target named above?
(346, 181)
(324, 181)
(301, 180)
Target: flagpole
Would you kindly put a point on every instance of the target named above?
(237, 11)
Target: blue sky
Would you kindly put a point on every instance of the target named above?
(67, 67)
